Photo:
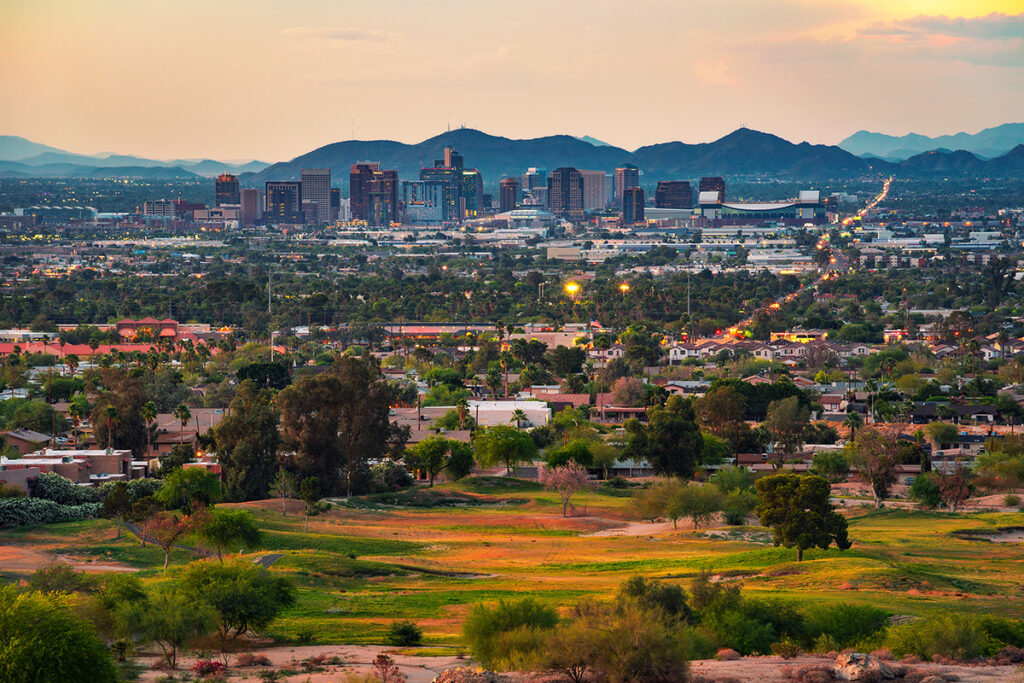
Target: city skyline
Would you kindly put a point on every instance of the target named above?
(89, 78)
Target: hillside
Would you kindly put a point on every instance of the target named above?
(989, 143)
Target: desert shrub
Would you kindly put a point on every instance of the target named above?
(26, 511)
(737, 505)
(749, 626)
(1004, 632)
(846, 624)
(508, 634)
(1011, 500)
(926, 491)
(825, 643)
(60, 577)
(52, 486)
(786, 648)
(617, 642)
(252, 659)
(209, 668)
(404, 633)
(956, 636)
(655, 596)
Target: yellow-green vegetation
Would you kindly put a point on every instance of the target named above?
(428, 559)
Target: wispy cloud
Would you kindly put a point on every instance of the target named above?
(336, 34)
(995, 26)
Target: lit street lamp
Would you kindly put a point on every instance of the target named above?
(572, 288)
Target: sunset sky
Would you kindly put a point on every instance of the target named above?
(233, 79)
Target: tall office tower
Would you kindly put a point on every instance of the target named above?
(593, 190)
(452, 159)
(565, 193)
(382, 198)
(673, 194)
(625, 178)
(359, 189)
(633, 206)
(227, 190)
(508, 194)
(471, 191)
(251, 206)
(534, 179)
(713, 184)
(316, 187)
(423, 201)
(450, 179)
(335, 203)
(284, 201)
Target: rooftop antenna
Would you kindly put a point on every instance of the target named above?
(352, 132)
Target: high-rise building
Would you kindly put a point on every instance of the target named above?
(251, 206)
(508, 194)
(565, 193)
(593, 190)
(452, 159)
(335, 203)
(227, 191)
(158, 207)
(471, 191)
(625, 177)
(316, 188)
(673, 194)
(633, 205)
(373, 194)
(284, 201)
(423, 201)
(713, 184)
(450, 179)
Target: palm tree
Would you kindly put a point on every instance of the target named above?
(462, 406)
(148, 413)
(112, 417)
(505, 358)
(518, 416)
(853, 422)
(184, 415)
(75, 413)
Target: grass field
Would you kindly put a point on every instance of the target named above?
(371, 561)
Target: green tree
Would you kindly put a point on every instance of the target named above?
(183, 415)
(926, 490)
(787, 421)
(186, 489)
(117, 504)
(503, 444)
(797, 508)
(832, 465)
(670, 441)
(721, 411)
(437, 454)
(310, 494)
(247, 597)
(229, 528)
(42, 641)
(284, 487)
(171, 617)
(148, 413)
(507, 635)
(699, 503)
(337, 422)
(247, 440)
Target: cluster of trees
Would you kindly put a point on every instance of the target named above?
(68, 625)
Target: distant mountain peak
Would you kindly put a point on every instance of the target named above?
(991, 142)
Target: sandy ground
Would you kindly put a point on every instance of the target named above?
(423, 669)
(769, 669)
(25, 559)
(635, 529)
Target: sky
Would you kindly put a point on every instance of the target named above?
(243, 79)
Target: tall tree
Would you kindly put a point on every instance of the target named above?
(438, 454)
(787, 421)
(670, 441)
(798, 508)
(721, 411)
(875, 455)
(247, 440)
(503, 444)
(183, 415)
(337, 422)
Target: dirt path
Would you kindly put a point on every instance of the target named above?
(633, 529)
(16, 558)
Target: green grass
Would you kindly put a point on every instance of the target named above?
(342, 545)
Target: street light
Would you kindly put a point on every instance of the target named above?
(624, 287)
(571, 288)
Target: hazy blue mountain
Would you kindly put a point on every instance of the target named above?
(18, 169)
(16, 148)
(989, 143)
(743, 152)
(594, 141)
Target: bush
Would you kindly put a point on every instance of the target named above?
(404, 633)
(656, 597)
(509, 634)
(787, 649)
(844, 623)
(253, 659)
(926, 491)
(60, 577)
(209, 668)
(1011, 500)
(52, 486)
(388, 475)
(25, 511)
(956, 636)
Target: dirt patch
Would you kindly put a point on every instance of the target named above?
(24, 559)
(1006, 534)
(769, 669)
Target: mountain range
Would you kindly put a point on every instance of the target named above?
(987, 144)
(742, 153)
(21, 157)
